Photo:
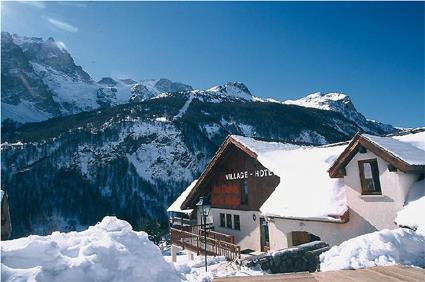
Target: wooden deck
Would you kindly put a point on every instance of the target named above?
(374, 274)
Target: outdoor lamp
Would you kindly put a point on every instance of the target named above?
(205, 210)
(203, 206)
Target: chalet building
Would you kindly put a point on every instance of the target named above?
(269, 196)
(6, 227)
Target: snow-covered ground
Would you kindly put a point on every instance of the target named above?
(112, 251)
(386, 247)
(108, 251)
(194, 270)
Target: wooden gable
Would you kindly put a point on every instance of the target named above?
(223, 178)
(359, 144)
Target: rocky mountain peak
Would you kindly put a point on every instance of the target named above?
(232, 89)
(49, 53)
(108, 81)
(341, 103)
(330, 101)
(166, 85)
(128, 81)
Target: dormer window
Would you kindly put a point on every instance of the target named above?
(369, 177)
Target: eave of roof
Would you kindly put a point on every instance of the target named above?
(335, 171)
(319, 219)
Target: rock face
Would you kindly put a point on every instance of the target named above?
(232, 89)
(108, 81)
(40, 80)
(297, 259)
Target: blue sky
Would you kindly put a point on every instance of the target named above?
(373, 52)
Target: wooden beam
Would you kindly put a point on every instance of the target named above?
(358, 142)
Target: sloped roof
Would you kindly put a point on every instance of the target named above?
(305, 189)
(176, 205)
(406, 152)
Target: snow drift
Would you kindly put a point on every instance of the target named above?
(412, 215)
(385, 247)
(108, 251)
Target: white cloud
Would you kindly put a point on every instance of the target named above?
(36, 4)
(63, 25)
(73, 4)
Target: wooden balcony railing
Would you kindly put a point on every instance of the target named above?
(199, 229)
(196, 242)
(178, 221)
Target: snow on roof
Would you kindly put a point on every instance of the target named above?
(415, 139)
(305, 189)
(259, 147)
(405, 148)
(412, 215)
(176, 206)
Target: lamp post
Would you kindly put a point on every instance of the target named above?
(205, 210)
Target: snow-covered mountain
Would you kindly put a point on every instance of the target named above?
(133, 160)
(340, 103)
(232, 89)
(40, 80)
(127, 148)
(148, 89)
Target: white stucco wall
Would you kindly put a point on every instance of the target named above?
(249, 235)
(377, 210)
(332, 233)
(368, 213)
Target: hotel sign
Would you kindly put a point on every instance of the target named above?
(245, 174)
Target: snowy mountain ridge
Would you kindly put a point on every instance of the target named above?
(40, 80)
(337, 102)
(329, 101)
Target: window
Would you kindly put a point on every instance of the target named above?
(369, 177)
(302, 237)
(228, 220)
(237, 222)
(244, 192)
(222, 220)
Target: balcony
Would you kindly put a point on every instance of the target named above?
(192, 238)
(176, 221)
